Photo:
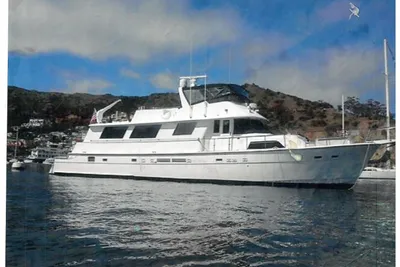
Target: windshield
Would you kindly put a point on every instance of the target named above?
(217, 93)
(246, 126)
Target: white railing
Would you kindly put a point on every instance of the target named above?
(392, 134)
(221, 143)
(142, 140)
(332, 141)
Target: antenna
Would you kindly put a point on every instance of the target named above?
(190, 60)
(190, 72)
(229, 67)
(205, 95)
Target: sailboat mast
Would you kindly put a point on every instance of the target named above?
(342, 115)
(387, 89)
(16, 144)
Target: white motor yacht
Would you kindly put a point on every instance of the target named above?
(216, 136)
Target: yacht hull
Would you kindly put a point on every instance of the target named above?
(334, 166)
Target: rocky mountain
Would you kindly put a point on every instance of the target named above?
(284, 112)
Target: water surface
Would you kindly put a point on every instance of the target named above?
(73, 221)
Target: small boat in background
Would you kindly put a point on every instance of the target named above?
(27, 160)
(378, 173)
(18, 165)
(49, 161)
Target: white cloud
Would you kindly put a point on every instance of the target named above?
(264, 45)
(129, 73)
(324, 75)
(89, 86)
(147, 29)
(165, 81)
(100, 28)
(333, 12)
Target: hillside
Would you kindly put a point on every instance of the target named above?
(284, 112)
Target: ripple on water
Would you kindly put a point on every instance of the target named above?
(60, 221)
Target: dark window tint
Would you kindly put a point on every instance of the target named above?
(246, 126)
(216, 93)
(145, 131)
(225, 126)
(113, 132)
(265, 145)
(163, 160)
(184, 128)
(216, 126)
(178, 160)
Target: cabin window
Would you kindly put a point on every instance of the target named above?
(114, 132)
(145, 131)
(216, 126)
(265, 145)
(246, 126)
(184, 128)
(90, 159)
(225, 126)
(178, 160)
(163, 160)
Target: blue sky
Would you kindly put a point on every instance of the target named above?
(306, 48)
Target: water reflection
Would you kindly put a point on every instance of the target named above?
(226, 223)
(140, 223)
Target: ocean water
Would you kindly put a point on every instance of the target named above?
(73, 221)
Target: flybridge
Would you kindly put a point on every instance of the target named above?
(191, 94)
(197, 102)
(211, 93)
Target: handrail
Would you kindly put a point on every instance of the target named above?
(367, 137)
(154, 140)
(140, 140)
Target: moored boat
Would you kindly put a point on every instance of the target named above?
(18, 165)
(378, 173)
(49, 161)
(216, 135)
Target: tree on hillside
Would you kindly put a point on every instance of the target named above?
(371, 108)
(332, 129)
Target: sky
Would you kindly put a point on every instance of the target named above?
(307, 48)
